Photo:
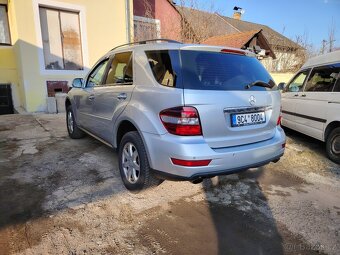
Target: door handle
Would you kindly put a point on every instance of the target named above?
(91, 97)
(304, 95)
(296, 95)
(122, 96)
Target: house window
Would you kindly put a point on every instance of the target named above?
(60, 31)
(146, 28)
(5, 38)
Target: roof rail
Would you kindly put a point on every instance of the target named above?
(145, 41)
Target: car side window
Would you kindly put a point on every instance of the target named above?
(162, 67)
(96, 76)
(296, 84)
(322, 79)
(121, 70)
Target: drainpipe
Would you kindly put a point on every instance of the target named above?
(128, 29)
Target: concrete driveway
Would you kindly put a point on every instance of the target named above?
(63, 196)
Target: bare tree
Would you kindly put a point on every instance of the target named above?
(290, 54)
(197, 26)
(331, 36)
(323, 46)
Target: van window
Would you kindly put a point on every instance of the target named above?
(296, 84)
(322, 79)
(337, 85)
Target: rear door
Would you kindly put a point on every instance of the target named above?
(290, 96)
(114, 94)
(231, 114)
(313, 102)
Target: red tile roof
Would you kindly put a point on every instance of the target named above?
(237, 40)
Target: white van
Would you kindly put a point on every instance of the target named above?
(311, 101)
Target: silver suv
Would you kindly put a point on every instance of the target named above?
(177, 111)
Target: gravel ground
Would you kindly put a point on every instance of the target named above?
(63, 196)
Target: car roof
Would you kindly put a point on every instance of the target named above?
(328, 58)
(176, 46)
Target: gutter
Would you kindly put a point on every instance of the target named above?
(127, 15)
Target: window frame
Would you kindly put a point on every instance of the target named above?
(83, 27)
(108, 68)
(9, 29)
(59, 10)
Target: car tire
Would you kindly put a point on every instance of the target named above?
(333, 145)
(72, 128)
(134, 165)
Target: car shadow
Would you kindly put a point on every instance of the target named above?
(242, 216)
(310, 142)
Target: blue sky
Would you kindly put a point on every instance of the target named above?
(290, 17)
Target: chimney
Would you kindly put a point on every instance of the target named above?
(238, 11)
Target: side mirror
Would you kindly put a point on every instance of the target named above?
(281, 86)
(77, 83)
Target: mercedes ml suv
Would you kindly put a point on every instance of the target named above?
(177, 111)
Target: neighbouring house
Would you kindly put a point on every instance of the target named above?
(45, 44)
(156, 19)
(198, 26)
(289, 55)
(253, 40)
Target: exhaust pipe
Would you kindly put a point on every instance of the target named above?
(276, 160)
(197, 181)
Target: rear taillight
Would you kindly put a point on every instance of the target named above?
(278, 123)
(181, 121)
(191, 163)
(279, 120)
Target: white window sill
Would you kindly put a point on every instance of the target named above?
(64, 72)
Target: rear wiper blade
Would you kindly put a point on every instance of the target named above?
(259, 83)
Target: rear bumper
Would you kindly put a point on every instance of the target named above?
(210, 174)
(224, 160)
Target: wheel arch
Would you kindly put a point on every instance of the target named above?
(67, 102)
(330, 127)
(124, 126)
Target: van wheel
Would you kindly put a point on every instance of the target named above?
(134, 164)
(333, 145)
(72, 128)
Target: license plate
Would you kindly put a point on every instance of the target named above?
(246, 119)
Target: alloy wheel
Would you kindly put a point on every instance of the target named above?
(70, 122)
(131, 163)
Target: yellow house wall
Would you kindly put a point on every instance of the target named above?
(8, 63)
(104, 27)
(281, 77)
(9, 74)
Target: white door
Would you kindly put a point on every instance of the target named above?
(313, 103)
(290, 96)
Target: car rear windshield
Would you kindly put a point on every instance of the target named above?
(204, 70)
